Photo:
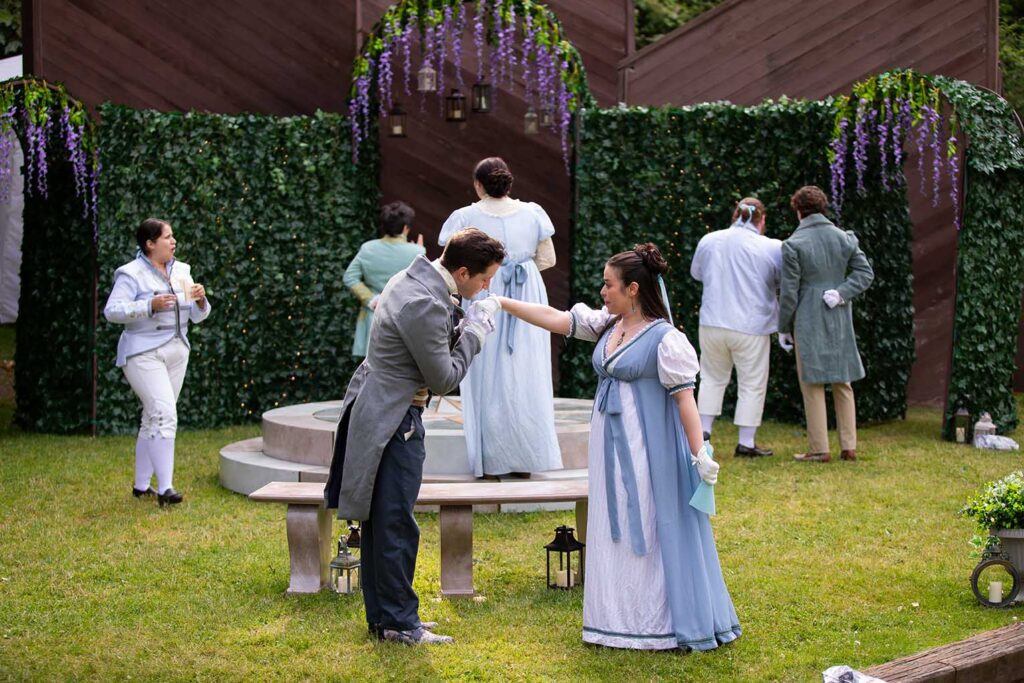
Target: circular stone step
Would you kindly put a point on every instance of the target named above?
(298, 444)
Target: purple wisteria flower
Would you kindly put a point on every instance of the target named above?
(901, 124)
(497, 53)
(460, 27)
(838, 167)
(936, 128)
(404, 40)
(861, 126)
(922, 136)
(954, 179)
(478, 37)
(510, 62)
(884, 124)
(428, 58)
(529, 50)
(442, 54)
(564, 116)
(385, 75)
(8, 139)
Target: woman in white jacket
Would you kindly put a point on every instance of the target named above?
(154, 297)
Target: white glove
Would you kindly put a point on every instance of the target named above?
(372, 303)
(490, 305)
(706, 467)
(786, 341)
(479, 320)
(831, 298)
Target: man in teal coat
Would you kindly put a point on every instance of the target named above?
(376, 262)
(823, 270)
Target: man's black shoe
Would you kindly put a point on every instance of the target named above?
(755, 452)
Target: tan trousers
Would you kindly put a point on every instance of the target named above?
(817, 416)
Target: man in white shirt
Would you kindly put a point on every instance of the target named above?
(740, 270)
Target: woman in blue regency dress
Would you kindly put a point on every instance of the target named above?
(653, 579)
(507, 397)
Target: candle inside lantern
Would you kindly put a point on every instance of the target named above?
(566, 578)
(995, 591)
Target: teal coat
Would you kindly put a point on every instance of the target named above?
(376, 262)
(819, 256)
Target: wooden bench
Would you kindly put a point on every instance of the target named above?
(310, 540)
(991, 657)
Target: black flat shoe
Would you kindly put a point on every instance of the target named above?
(169, 497)
(139, 494)
(755, 452)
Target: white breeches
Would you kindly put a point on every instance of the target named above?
(720, 350)
(156, 377)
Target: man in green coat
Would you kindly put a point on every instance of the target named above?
(823, 270)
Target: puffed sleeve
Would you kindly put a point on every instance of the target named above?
(677, 363)
(545, 227)
(586, 323)
(455, 222)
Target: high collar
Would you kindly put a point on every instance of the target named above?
(453, 288)
(813, 219)
(394, 239)
(499, 206)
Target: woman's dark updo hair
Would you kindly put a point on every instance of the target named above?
(643, 264)
(149, 229)
(494, 175)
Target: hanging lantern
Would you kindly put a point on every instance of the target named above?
(565, 560)
(531, 124)
(962, 425)
(481, 98)
(353, 535)
(455, 106)
(426, 79)
(396, 122)
(344, 570)
(547, 117)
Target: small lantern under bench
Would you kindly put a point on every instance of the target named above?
(565, 560)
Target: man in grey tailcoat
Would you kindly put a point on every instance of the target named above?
(823, 270)
(415, 348)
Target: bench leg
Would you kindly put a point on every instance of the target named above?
(456, 550)
(581, 530)
(309, 547)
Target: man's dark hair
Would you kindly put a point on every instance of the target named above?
(394, 217)
(472, 248)
(809, 199)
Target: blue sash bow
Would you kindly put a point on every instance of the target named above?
(513, 275)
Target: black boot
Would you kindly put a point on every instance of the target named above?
(139, 494)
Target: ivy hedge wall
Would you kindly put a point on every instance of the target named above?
(990, 259)
(671, 175)
(268, 211)
(53, 359)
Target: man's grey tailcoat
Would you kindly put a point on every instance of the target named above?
(410, 347)
(816, 257)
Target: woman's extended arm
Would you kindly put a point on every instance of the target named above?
(551, 319)
(690, 418)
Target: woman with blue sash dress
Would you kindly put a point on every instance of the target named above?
(652, 576)
(507, 397)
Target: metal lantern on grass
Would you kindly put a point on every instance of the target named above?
(565, 560)
(344, 571)
(396, 122)
(426, 79)
(455, 107)
(962, 425)
(984, 426)
(531, 123)
(481, 98)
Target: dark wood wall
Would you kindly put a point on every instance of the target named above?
(748, 50)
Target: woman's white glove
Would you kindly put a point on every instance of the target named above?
(832, 298)
(706, 467)
(786, 341)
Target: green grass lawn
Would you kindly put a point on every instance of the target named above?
(854, 563)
